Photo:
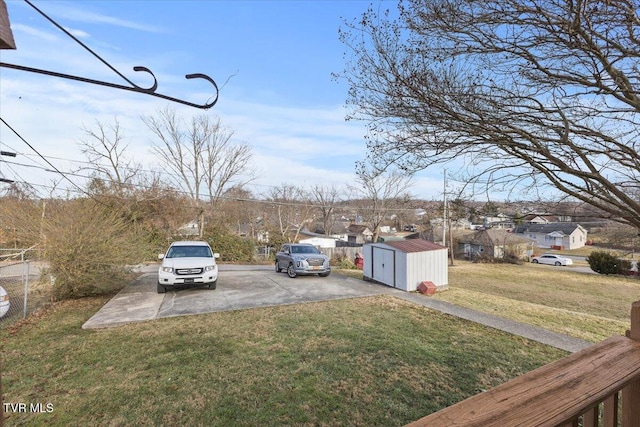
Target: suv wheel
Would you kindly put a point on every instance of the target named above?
(213, 285)
(323, 274)
(278, 269)
(291, 271)
(161, 289)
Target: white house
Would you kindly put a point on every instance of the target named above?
(320, 242)
(557, 235)
(500, 221)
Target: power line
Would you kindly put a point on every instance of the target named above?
(55, 169)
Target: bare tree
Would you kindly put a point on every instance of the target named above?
(241, 211)
(325, 198)
(383, 192)
(105, 149)
(291, 211)
(525, 92)
(197, 154)
(224, 165)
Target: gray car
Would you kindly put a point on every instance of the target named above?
(302, 258)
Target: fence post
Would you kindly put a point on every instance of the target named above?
(631, 393)
(26, 287)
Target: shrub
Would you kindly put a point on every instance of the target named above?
(342, 261)
(232, 248)
(604, 262)
(89, 248)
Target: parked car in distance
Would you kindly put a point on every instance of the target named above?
(4, 302)
(302, 258)
(188, 263)
(551, 259)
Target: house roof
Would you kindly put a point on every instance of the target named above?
(548, 218)
(493, 237)
(357, 228)
(306, 232)
(562, 227)
(415, 245)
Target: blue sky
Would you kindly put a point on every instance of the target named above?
(274, 58)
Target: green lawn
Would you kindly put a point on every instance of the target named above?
(587, 306)
(369, 361)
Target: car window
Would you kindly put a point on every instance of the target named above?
(305, 250)
(189, 251)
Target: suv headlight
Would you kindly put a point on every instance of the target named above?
(167, 269)
(209, 267)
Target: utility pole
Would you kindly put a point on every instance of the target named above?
(8, 154)
(444, 211)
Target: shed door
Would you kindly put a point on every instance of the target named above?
(384, 266)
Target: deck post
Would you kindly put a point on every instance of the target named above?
(631, 393)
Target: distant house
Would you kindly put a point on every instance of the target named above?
(557, 235)
(319, 240)
(544, 219)
(359, 233)
(494, 243)
(500, 221)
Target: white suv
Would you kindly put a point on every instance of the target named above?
(188, 263)
(4, 302)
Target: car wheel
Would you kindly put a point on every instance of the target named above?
(278, 269)
(291, 271)
(535, 261)
(558, 264)
(323, 274)
(160, 289)
(213, 285)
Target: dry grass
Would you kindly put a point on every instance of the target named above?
(369, 361)
(588, 306)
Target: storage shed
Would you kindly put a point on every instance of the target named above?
(404, 264)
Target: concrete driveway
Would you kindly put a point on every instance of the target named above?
(247, 286)
(239, 287)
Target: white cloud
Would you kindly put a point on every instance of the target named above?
(78, 12)
(78, 33)
(291, 142)
(294, 146)
(34, 32)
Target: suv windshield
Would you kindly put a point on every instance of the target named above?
(304, 250)
(189, 252)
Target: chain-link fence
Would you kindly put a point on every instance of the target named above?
(21, 288)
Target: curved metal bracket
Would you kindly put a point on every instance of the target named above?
(132, 88)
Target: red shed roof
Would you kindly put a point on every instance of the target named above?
(414, 245)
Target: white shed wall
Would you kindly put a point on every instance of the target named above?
(367, 256)
(411, 268)
(401, 270)
(427, 266)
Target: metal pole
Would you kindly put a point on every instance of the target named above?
(444, 211)
(26, 289)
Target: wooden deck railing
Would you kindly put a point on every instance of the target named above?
(593, 387)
